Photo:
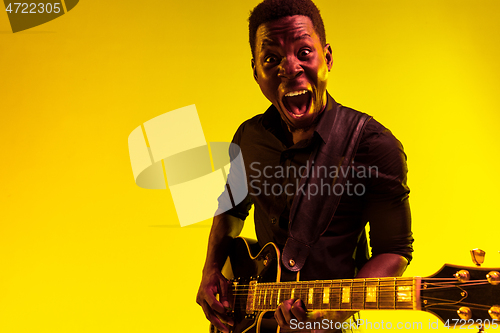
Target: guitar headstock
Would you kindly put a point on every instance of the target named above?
(469, 294)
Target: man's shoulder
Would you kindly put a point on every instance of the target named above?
(252, 124)
(376, 138)
(376, 131)
(378, 142)
(372, 126)
(258, 124)
(373, 129)
(254, 121)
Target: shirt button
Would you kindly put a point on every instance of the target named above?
(273, 220)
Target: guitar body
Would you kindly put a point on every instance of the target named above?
(248, 264)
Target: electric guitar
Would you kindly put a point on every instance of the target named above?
(455, 294)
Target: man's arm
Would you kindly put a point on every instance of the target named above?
(383, 265)
(225, 227)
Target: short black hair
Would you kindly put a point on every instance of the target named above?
(270, 10)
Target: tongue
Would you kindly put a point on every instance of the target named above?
(298, 104)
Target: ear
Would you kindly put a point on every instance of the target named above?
(254, 71)
(328, 56)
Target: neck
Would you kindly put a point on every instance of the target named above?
(349, 294)
(299, 135)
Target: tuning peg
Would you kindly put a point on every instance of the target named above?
(464, 313)
(462, 275)
(494, 312)
(477, 256)
(493, 278)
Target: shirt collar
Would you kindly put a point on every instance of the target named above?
(327, 117)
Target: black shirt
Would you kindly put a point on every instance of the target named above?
(375, 191)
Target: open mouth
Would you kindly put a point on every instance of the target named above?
(297, 103)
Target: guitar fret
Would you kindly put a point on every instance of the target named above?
(364, 293)
(305, 290)
(331, 295)
(395, 294)
(387, 295)
(378, 293)
(358, 294)
(335, 295)
(318, 295)
(352, 294)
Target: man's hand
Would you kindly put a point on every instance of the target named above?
(288, 310)
(295, 309)
(213, 283)
(224, 229)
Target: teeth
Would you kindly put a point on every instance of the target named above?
(296, 93)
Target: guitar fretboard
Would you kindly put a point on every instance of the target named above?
(351, 294)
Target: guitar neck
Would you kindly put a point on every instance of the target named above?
(350, 294)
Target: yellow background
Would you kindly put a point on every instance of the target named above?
(83, 249)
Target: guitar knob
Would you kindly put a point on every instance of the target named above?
(464, 313)
(477, 256)
(462, 275)
(493, 277)
(494, 312)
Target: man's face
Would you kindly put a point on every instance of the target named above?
(291, 67)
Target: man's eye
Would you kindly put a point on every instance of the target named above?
(270, 59)
(304, 52)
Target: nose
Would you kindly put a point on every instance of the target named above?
(290, 67)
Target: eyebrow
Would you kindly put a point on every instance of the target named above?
(270, 42)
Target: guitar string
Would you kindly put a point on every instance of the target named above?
(385, 305)
(473, 305)
(381, 306)
(353, 290)
(317, 285)
(268, 286)
(353, 282)
(451, 287)
(381, 298)
(390, 289)
(388, 283)
(356, 294)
